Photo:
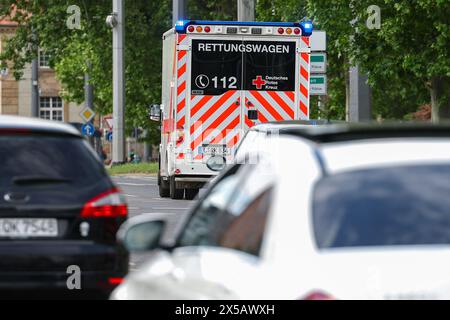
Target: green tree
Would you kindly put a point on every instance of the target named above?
(73, 50)
(398, 76)
(411, 46)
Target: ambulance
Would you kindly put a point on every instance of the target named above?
(218, 80)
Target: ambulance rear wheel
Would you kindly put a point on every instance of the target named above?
(175, 193)
(191, 193)
(164, 189)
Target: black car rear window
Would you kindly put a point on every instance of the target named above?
(42, 156)
(408, 205)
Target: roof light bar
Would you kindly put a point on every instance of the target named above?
(305, 26)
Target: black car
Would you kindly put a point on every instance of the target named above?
(59, 212)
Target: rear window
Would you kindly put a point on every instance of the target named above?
(44, 156)
(407, 205)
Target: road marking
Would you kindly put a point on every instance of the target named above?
(131, 196)
(133, 208)
(184, 209)
(138, 178)
(134, 184)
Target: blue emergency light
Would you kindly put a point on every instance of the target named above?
(306, 26)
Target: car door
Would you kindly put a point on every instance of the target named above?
(215, 119)
(269, 79)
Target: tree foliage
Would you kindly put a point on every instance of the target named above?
(405, 57)
(410, 51)
(74, 50)
(401, 58)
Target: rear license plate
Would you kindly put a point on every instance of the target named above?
(216, 149)
(23, 228)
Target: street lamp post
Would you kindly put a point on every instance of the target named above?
(35, 80)
(178, 10)
(117, 22)
(246, 10)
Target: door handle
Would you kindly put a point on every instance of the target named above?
(253, 114)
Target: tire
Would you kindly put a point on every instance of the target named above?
(175, 194)
(191, 194)
(164, 189)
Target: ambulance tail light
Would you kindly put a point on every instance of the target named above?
(207, 29)
(191, 29)
(199, 29)
(280, 30)
(289, 31)
(297, 31)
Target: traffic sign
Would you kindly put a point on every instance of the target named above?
(109, 136)
(109, 122)
(318, 40)
(87, 114)
(318, 85)
(318, 62)
(88, 129)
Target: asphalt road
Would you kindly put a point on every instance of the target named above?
(143, 198)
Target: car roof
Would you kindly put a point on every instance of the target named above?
(37, 125)
(362, 131)
(288, 125)
(340, 147)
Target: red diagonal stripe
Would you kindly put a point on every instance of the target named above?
(200, 104)
(304, 73)
(181, 122)
(248, 122)
(303, 108)
(304, 91)
(305, 57)
(306, 40)
(282, 104)
(181, 38)
(181, 54)
(181, 105)
(233, 141)
(216, 123)
(232, 125)
(215, 107)
(266, 105)
(181, 70)
(181, 87)
(290, 95)
(261, 117)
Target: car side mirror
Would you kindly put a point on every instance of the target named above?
(141, 236)
(155, 112)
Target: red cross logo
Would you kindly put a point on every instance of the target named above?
(258, 82)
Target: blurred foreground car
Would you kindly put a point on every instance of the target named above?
(337, 212)
(58, 210)
(256, 137)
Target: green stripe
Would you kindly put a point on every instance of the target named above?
(318, 80)
(319, 58)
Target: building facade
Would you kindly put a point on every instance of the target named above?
(15, 96)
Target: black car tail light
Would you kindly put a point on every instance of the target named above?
(110, 204)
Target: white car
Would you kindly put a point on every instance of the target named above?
(327, 213)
